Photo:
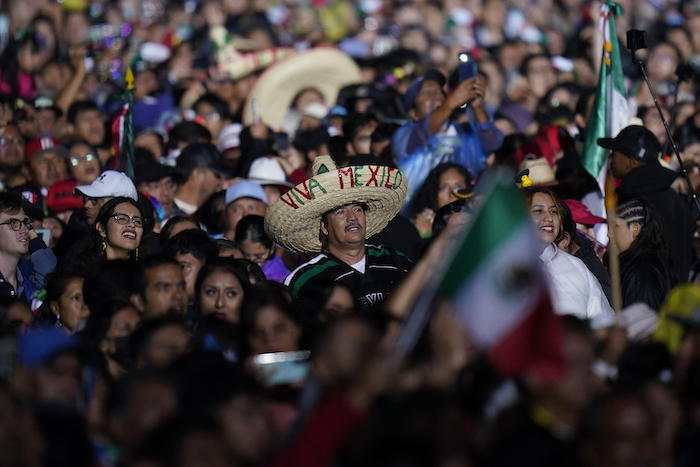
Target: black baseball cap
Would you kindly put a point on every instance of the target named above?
(635, 142)
(201, 155)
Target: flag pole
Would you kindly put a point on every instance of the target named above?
(613, 249)
(637, 40)
(129, 124)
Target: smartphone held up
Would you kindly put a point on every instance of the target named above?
(467, 66)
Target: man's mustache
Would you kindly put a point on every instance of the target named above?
(352, 224)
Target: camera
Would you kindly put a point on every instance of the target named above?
(636, 40)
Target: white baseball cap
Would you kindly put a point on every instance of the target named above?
(229, 137)
(268, 171)
(109, 184)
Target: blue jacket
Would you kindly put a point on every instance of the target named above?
(417, 153)
(33, 271)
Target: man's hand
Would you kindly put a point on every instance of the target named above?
(471, 92)
(466, 92)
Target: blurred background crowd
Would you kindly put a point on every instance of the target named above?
(135, 337)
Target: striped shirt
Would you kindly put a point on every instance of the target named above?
(384, 269)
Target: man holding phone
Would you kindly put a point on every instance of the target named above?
(437, 131)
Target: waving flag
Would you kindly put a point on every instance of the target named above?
(499, 291)
(609, 114)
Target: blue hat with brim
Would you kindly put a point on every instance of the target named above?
(415, 87)
(40, 344)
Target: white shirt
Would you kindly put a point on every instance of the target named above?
(360, 265)
(186, 207)
(574, 289)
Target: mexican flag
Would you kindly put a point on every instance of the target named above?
(609, 113)
(499, 291)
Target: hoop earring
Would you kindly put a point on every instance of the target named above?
(137, 253)
(58, 323)
(104, 245)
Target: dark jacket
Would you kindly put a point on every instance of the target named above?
(653, 183)
(590, 259)
(644, 278)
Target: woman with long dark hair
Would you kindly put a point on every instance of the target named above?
(574, 289)
(646, 266)
(221, 289)
(119, 228)
(438, 191)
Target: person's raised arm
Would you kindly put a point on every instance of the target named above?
(466, 92)
(70, 90)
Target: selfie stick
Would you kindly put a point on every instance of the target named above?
(637, 40)
(684, 72)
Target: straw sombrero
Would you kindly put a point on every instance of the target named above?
(295, 220)
(324, 68)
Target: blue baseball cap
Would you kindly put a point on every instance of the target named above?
(41, 343)
(415, 87)
(245, 189)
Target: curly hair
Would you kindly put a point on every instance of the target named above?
(427, 196)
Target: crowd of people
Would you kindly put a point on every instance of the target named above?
(219, 221)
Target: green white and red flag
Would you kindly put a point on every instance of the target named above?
(497, 284)
(609, 114)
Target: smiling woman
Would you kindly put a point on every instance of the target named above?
(118, 230)
(574, 289)
(545, 214)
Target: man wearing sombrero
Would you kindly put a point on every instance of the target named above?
(333, 213)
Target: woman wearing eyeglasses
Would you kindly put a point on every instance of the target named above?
(83, 162)
(118, 230)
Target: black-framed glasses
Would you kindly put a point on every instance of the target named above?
(16, 224)
(124, 219)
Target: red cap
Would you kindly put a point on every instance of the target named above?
(39, 145)
(534, 150)
(61, 197)
(557, 137)
(581, 214)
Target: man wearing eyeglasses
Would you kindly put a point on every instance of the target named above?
(21, 278)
